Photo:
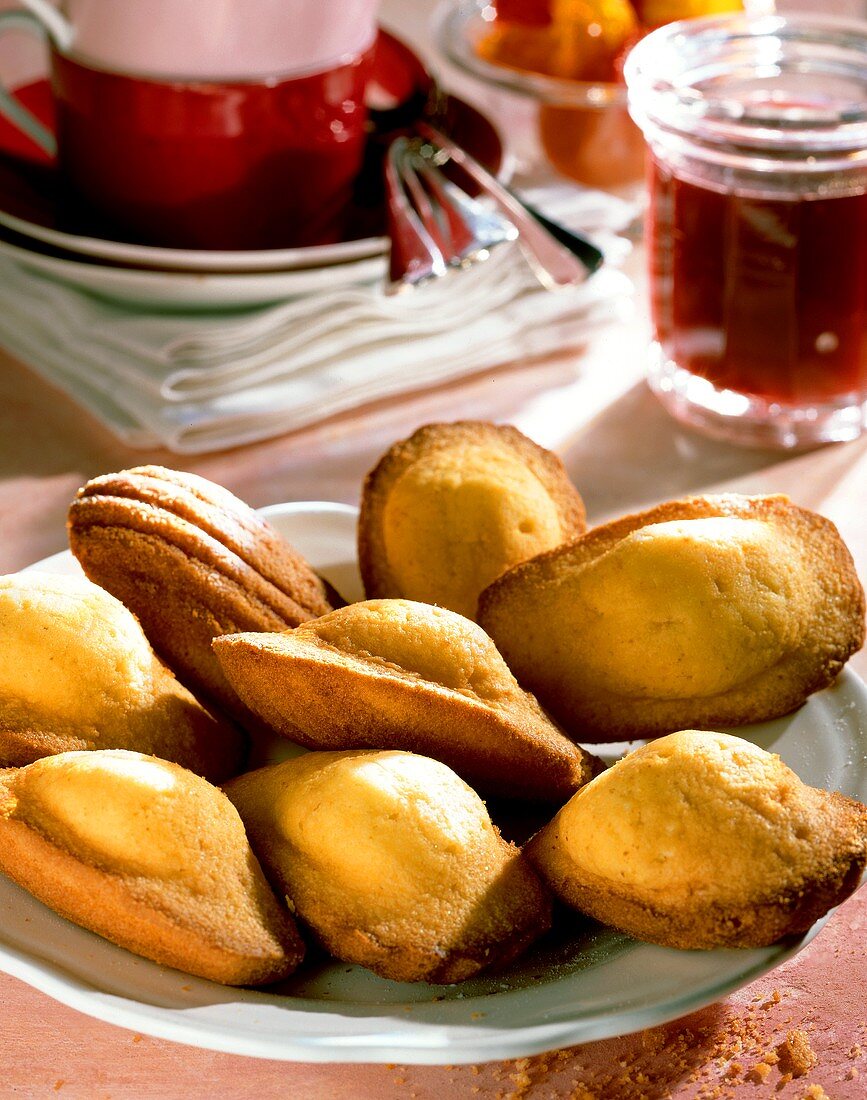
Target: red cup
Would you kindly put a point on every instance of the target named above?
(187, 162)
(214, 165)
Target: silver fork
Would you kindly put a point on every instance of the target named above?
(434, 226)
(558, 256)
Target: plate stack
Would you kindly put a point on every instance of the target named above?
(174, 278)
(198, 350)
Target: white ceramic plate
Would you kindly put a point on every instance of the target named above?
(192, 290)
(176, 259)
(590, 983)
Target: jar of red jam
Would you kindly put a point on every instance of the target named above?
(756, 128)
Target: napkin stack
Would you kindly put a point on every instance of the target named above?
(202, 381)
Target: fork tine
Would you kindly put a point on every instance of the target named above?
(429, 215)
(415, 256)
(555, 262)
(475, 228)
(462, 243)
(434, 226)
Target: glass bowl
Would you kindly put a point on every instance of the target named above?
(580, 128)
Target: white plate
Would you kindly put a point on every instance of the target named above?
(592, 985)
(177, 259)
(192, 290)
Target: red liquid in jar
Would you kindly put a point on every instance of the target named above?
(763, 296)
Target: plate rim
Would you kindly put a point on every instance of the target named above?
(476, 1046)
(419, 1042)
(185, 261)
(191, 290)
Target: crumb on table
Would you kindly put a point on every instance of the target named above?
(796, 1055)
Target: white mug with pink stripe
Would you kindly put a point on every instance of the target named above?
(208, 39)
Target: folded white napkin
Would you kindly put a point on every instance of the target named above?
(197, 382)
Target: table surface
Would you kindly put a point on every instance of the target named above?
(623, 452)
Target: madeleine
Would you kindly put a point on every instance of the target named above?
(713, 611)
(78, 673)
(149, 856)
(191, 561)
(393, 863)
(397, 674)
(448, 510)
(703, 840)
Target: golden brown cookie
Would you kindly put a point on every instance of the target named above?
(404, 675)
(149, 856)
(392, 862)
(77, 672)
(192, 562)
(703, 840)
(711, 611)
(448, 510)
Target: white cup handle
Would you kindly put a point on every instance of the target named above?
(61, 30)
(10, 108)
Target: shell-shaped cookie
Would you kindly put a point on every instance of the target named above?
(78, 673)
(393, 863)
(149, 856)
(712, 611)
(192, 562)
(703, 840)
(404, 675)
(448, 510)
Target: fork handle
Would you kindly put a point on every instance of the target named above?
(554, 265)
(579, 245)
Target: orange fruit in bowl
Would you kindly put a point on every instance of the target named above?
(588, 34)
(599, 147)
(586, 41)
(580, 42)
(519, 46)
(654, 13)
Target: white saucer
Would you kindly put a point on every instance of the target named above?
(177, 259)
(183, 290)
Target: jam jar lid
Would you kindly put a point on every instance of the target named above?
(773, 88)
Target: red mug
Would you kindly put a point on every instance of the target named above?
(196, 163)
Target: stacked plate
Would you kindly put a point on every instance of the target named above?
(188, 280)
(199, 351)
(41, 228)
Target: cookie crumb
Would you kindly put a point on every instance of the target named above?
(758, 1073)
(796, 1055)
(816, 1092)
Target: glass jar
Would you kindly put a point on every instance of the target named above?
(756, 128)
